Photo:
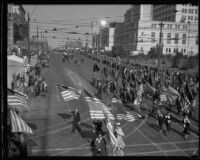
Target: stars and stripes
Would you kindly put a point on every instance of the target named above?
(98, 109)
(127, 117)
(18, 124)
(69, 93)
(148, 88)
(18, 101)
(113, 139)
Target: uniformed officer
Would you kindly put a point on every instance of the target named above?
(76, 120)
(160, 120)
(186, 126)
(168, 122)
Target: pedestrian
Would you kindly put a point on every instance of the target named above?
(101, 145)
(186, 126)
(155, 106)
(178, 105)
(118, 150)
(137, 104)
(12, 84)
(76, 120)
(99, 89)
(168, 122)
(160, 120)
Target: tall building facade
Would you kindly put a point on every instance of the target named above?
(175, 13)
(140, 30)
(17, 27)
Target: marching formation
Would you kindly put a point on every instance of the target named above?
(130, 83)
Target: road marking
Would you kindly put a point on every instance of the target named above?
(133, 145)
(128, 154)
(55, 131)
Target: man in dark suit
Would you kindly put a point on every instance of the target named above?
(76, 120)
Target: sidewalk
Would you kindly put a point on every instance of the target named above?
(16, 67)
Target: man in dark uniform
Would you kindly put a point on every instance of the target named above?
(101, 145)
(168, 122)
(99, 89)
(186, 126)
(160, 120)
(76, 120)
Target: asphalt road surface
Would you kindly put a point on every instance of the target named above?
(51, 122)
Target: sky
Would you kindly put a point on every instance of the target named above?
(71, 18)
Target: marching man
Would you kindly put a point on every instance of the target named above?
(118, 150)
(168, 122)
(186, 126)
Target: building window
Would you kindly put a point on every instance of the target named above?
(196, 11)
(153, 35)
(196, 18)
(142, 33)
(170, 26)
(181, 50)
(176, 38)
(174, 50)
(190, 10)
(197, 40)
(168, 38)
(185, 10)
(184, 39)
(191, 18)
(166, 49)
(184, 50)
(169, 50)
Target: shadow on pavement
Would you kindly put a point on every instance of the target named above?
(65, 115)
(32, 125)
(88, 134)
(86, 125)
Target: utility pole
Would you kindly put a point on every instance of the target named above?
(160, 47)
(160, 43)
(91, 34)
(29, 52)
(37, 38)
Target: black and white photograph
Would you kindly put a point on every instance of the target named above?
(101, 80)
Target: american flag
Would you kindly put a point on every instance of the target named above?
(98, 109)
(18, 124)
(163, 98)
(18, 101)
(127, 117)
(69, 93)
(148, 88)
(113, 139)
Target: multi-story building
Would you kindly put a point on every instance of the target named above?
(107, 38)
(175, 13)
(138, 33)
(17, 27)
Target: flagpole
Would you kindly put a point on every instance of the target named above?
(57, 92)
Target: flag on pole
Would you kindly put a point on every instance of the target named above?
(113, 139)
(18, 124)
(96, 110)
(127, 117)
(18, 101)
(69, 93)
(148, 88)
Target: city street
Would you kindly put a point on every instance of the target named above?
(50, 120)
(101, 80)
